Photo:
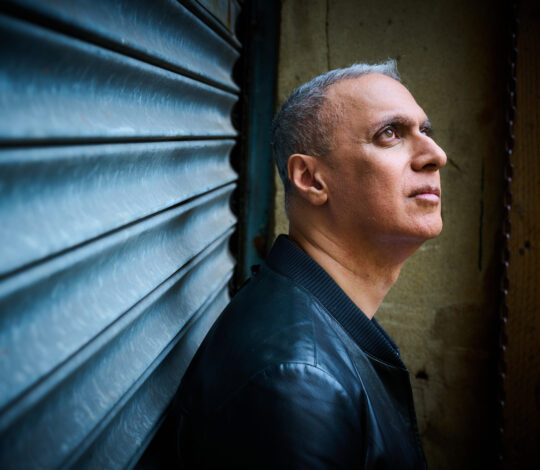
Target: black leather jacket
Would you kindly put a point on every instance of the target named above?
(294, 375)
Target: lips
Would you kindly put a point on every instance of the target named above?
(426, 190)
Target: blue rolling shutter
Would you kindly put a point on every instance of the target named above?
(115, 136)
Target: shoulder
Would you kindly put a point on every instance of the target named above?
(272, 367)
(300, 384)
(270, 319)
(272, 332)
(293, 415)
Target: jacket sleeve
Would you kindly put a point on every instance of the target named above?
(289, 416)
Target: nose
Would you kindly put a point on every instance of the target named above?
(427, 155)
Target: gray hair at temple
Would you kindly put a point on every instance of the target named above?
(305, 125)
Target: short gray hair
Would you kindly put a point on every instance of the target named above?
(304, 125)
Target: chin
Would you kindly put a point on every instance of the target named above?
(432, 230)
(434, 233)
(427, 229)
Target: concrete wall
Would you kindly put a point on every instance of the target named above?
(442, 311)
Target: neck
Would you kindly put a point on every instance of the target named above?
(364, 272)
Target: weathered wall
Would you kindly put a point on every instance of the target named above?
(442, 311)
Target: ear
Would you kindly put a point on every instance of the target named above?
(306, 177)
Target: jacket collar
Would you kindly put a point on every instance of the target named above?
(289, 260)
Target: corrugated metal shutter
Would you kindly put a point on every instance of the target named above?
(115, 136)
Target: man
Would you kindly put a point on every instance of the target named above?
(296, 373)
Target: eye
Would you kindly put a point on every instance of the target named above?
(389, 132)
(426, 131)
(387, 136)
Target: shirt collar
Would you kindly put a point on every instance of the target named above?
(289, 260)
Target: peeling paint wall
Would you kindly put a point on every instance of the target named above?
(442, 311)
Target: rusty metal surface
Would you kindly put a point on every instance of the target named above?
(511, 82)
(521, 411)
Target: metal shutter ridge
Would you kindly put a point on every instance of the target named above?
(115, 135)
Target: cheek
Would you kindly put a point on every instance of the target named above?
(368, 185)
(372, 198)
(384, 184)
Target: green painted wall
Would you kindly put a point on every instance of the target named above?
(442, 311)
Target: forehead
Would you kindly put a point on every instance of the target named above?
(372, 97)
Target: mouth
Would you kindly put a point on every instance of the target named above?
(427, 192)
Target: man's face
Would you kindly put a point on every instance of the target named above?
(383, 172)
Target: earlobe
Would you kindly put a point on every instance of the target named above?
(305, 176)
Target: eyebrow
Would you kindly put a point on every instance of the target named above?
(399, 121)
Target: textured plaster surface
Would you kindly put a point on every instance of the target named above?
(442, 310)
